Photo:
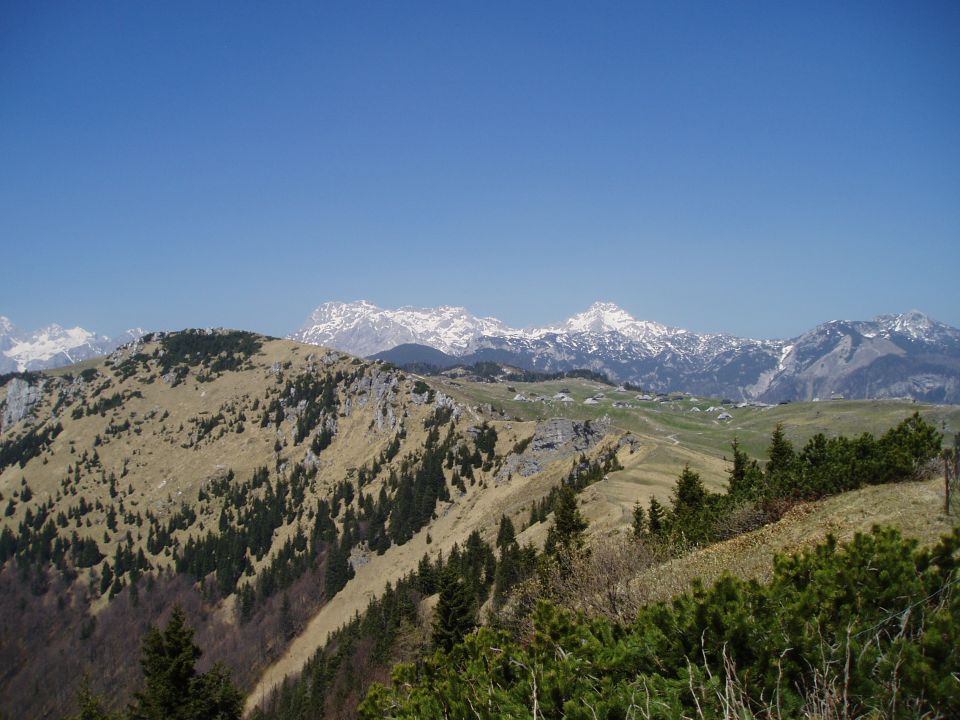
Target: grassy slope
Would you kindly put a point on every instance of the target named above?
(915, 509)
(163, 473)
(672, 435)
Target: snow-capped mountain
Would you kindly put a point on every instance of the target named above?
(362, 328)
(907, 355)
(605, 317)
(53, 346)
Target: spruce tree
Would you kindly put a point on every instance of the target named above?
(506, 535)
(168, 662)
(640, 525)
(91, 705)
(689, 493)
(455, 614)
(746, 478)
(507, 573)
(173, 689)
(568, 524)
(287, 627)
(655, 516)
(780, 452)
(213, 696)
(339, 570)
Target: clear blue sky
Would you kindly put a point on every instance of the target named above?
(755, 168)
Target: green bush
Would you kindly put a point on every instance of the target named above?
(874, 621)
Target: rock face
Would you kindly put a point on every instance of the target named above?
(378, 387)
(22, 397)
(553, 439)
(906, 355)
(559, 434)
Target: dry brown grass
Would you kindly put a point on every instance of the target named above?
(914, 508)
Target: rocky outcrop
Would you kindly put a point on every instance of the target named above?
(378, 387)
(22, 397)
(553, 440)
(560, 434)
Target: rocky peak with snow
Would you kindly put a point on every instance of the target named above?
(606, 317)
(363, 329)
(893, 355)
(53, 346)
(914, 325)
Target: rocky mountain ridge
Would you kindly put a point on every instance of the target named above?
(904, 355)
(259, 483)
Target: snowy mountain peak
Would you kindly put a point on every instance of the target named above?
(607, 317)
(52, 346)
(601, 317)
(364, 329)
(913, 323)
(830, 360)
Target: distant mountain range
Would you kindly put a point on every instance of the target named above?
(53, 346)
(905, 355)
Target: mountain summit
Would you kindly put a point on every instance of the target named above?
(362, 328)
(904, 355)
(605, 317)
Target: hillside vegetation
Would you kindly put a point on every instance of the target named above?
(866, 630)
(312, 514)
(599, 578)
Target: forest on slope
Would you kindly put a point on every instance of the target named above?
(259, 486)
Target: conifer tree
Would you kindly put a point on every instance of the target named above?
(173, 690)
(107, 578)
(168, 666)
(455, 614)
(91, 705)
(640, 525)
(506, 535)
(689, 493)
(287, 629)
(655, 516)
(568, 524)
(744, 482)
(781, 454)
(213, 696)
(339, 570)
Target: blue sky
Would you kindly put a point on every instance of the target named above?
(754, 168)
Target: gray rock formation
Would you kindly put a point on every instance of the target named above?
(553, 440)
(22, 397)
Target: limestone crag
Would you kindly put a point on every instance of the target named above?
(379, 387)
(22, 397)
(553, 440)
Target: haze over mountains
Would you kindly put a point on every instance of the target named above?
(53, 346)
(904, 355)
